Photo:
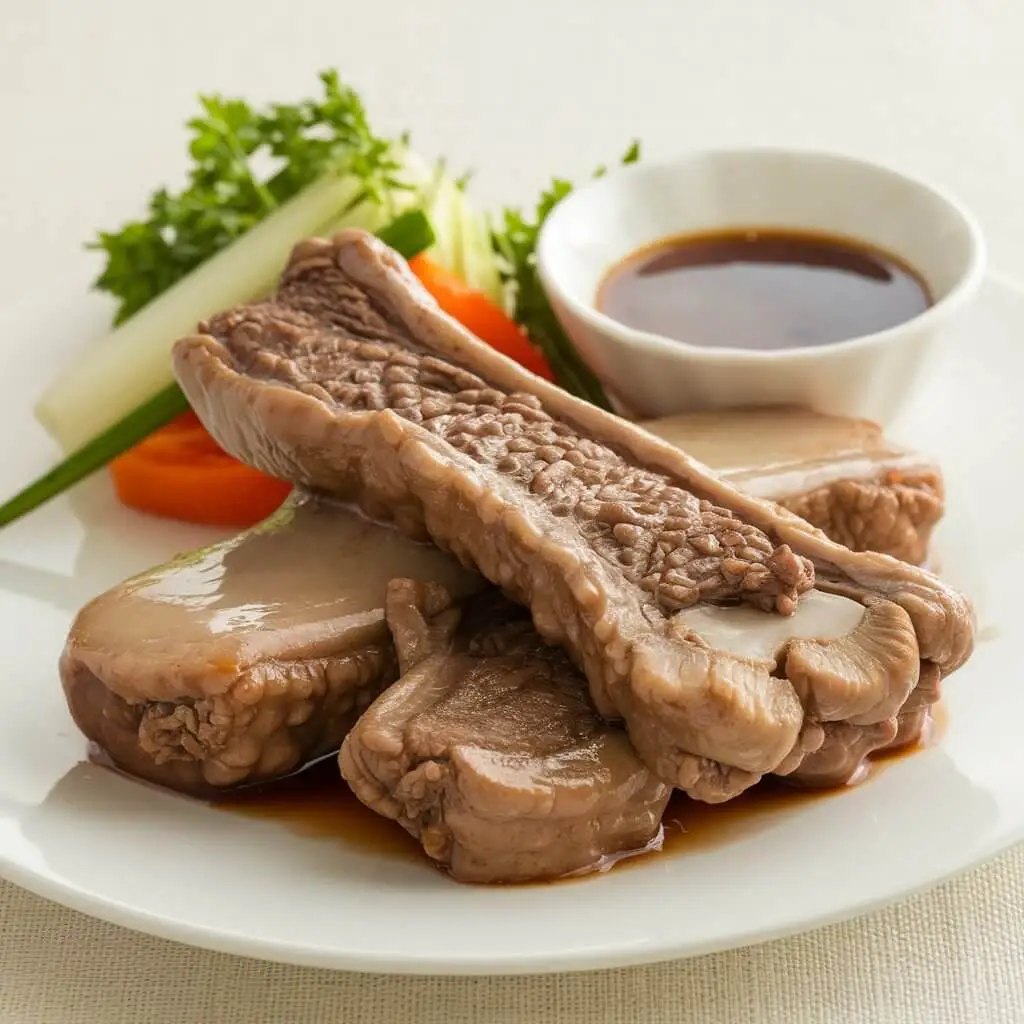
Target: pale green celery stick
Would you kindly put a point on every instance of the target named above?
(446, 250)
(463, 234)
(130, 365)
(479, 259)
(474, 259)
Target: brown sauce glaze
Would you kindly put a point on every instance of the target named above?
(691, 825)
(316, 803)
(762, 288)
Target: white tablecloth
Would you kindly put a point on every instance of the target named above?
(92, 96)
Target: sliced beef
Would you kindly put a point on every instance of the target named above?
(838, 473)
(352, 381)
(241, 662)
(489, 751)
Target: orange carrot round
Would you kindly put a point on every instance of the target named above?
(477, 312)
(179, 472)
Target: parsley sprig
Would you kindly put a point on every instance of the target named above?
(246, 163)
(515, 240)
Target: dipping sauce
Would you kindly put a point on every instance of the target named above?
(761, 288)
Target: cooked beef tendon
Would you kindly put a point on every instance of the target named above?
(350, 380)
(489, 750)
(241, 662)
(838, 473)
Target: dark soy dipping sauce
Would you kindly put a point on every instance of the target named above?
(318, 804)
(761, 288)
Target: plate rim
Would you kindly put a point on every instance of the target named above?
(577, 960)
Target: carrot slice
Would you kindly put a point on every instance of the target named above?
(179, 472)
(477, 312)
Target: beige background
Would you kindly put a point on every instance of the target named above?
(92, 96)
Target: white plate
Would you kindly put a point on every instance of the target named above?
(163, 864)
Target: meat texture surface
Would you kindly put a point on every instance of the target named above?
(239, 663)
(350, 380)
(840, 474)
(845, 748)
(489, 751)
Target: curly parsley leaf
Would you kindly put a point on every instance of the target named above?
(246, 163)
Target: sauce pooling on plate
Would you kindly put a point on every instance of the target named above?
(761, 288)
(316, 803)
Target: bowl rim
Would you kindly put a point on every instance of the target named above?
(623, 335)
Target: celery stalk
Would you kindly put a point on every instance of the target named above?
(479, 259)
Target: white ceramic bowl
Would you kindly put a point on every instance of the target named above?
(599, 224)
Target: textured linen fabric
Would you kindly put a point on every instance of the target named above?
(954, 955)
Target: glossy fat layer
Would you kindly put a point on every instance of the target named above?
(308, 583)
(241, 662)
(779, 453)
(749, 633)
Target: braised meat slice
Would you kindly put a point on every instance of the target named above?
(489, 751)
(838, 473)
(241, 662)
(352, 381)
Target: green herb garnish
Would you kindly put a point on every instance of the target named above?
(516, 243)
(247, 163)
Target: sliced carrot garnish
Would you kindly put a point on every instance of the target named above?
(477, 312)
(179, 472)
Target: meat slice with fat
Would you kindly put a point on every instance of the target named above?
(489, 751)
(840, 474)
(241, 662)
(311, 559)
(351, 380)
